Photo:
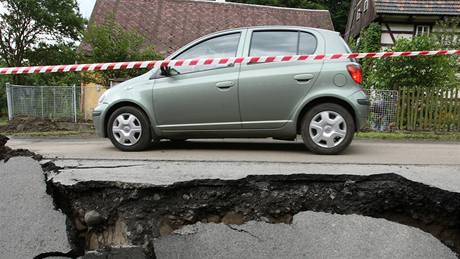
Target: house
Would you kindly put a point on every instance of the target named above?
(170, 24)
(399, 18)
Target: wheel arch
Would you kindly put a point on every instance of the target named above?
(120, 104)
(325, 99)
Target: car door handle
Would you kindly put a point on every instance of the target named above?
(225, 84)
(304, 77)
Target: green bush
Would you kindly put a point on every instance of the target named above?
(369, 41)
(393, 73)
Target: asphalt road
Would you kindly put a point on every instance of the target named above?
(29, 225)
(261, 150)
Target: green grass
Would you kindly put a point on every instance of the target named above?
(402, 135)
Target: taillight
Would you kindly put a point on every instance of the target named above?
(356, 73)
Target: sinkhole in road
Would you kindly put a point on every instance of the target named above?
(104, 214)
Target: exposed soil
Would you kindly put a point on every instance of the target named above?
(135, 214)
(27, 124)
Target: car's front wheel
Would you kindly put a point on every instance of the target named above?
(128, 129)
(327, 129)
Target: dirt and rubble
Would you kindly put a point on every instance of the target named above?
(28, 124)
(31, 124)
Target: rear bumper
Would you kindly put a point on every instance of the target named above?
(361, 106)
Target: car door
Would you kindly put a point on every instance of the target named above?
(202, 97)
(270, 92)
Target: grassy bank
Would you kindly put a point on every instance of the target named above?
(403, 135)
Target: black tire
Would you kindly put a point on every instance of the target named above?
(341, 142)
(144, 138)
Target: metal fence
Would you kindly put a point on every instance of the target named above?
(51, 102)
(383, 109)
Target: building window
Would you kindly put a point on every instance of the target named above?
(422, 30)
(358, 14)
(366, 5)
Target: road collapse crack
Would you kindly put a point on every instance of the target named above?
(101, 167)
(244, 231)
(131, 214)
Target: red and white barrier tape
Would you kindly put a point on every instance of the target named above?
(212, 61)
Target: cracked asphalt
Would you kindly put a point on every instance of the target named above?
(29, 225)
(432, 163)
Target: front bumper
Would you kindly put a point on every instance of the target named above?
(98, 120)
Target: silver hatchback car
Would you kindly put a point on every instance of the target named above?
(320, 100)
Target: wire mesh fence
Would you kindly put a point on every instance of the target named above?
(50, 102)
(383, 109)
(63, 103)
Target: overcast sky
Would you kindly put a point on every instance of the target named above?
(86, 7)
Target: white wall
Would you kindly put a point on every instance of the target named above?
(400, 31)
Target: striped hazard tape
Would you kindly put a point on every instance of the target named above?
(213, 61)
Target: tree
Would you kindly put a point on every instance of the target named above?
(27, 23)
(109, 42)
(338, 8)
(38, 32)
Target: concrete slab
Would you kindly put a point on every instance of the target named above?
(311, 235)
(29, 225)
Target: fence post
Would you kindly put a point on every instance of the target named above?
(9, 100)
(41, 92)
(54, 102)
(74, 98)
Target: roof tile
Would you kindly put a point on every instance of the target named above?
(420, 7)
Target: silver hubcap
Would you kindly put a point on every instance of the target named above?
(328, 129)
(127, 129)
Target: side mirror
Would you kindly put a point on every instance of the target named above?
(168, 71)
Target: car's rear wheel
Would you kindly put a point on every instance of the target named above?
(327, 129)
(128, 129)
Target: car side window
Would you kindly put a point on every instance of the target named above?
(279, 43)
(217, 47)
(307, 43)
(221, 46)
(273, 43)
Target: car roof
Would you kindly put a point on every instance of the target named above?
(264, 27)
(275, 27)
